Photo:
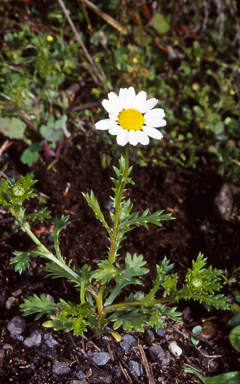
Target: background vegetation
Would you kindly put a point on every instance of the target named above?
(58, 61)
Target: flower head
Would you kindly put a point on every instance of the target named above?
(131, 117)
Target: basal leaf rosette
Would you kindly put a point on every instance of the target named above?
(132, 117)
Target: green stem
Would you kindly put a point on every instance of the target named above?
(143, 303)
(117, 211)
(113, 239)
(49, 255)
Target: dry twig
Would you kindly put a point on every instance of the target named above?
(97, 76)
(146, 364)
(104, 16)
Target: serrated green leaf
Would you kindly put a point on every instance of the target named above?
(14, 192)
(22, 260)
(105, 272)
(73, 317)
(135, 319)
(156, 320)
(170, 284)
(93, 203)
(161, 272)
(59, 224)
(41, 215)
(133, 267)
(132, 220)
(54, 271)
(170, 313)
(121, 178)
(201, 283)
(41, 305)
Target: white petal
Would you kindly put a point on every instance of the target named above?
(114, 99)
(132, 137)
(130, 97)
(152, 132)
(113, 117)
(157, 112)
(142, 137)
(122, 97)
(122, 139)
(115, 130)
(111, 107)
(103, 124)
(149, 104)
(139, 100)
(155, 122)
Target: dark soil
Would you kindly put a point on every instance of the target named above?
(189, 197)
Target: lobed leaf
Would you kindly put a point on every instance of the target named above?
(133, 319)
(133, 267)
(132, 220)
(40, 305)
(94, 204)
(73, 317)
(41, 215)
(22, 260)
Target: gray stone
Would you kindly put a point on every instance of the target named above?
(77, 382)
(80, 375)
(101, 358)
(34, 340)
(116, 372)
(60, 368)
(127, 343)
(151, 335)
(161, 332)
(99, 377)
(136, 367)
(50, 341)
(16, 326)
(155, 352)
(10, 302)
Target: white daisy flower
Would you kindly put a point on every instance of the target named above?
(131, 117)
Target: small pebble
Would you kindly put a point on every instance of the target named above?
(80, 375)
(10, 302)
(151, 335)
(116, 372)
(127, 343)
(50, 341)
(101, 358)
(60, 368)
(16, 325)
(34, 340)
(161, 332)
(155, 352)
(77, 382)
(136, 367)
(175, 349)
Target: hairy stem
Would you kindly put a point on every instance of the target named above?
(99, 298)
(45, 253)
(117, 211)
(139, 303)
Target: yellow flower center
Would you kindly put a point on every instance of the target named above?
(131, 119)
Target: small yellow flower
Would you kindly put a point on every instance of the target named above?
(195, 86)
(49, 38)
